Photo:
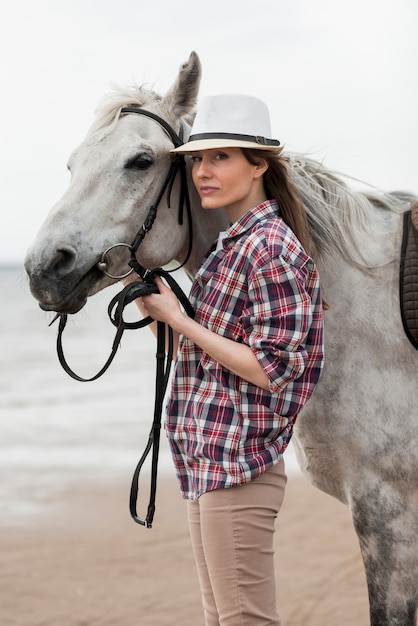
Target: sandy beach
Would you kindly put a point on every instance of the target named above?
(86, 563)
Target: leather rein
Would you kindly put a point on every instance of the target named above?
(137, 289)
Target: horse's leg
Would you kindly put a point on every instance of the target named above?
(385, 517)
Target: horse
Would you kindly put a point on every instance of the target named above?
(356, 439)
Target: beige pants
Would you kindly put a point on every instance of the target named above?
(232, 537)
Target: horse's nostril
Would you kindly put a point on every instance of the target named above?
(63, 261)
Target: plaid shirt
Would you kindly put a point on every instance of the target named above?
(260, 289)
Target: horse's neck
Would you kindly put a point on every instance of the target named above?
(205, 232)
(207, 224)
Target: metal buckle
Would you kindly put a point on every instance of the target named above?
(102, 264)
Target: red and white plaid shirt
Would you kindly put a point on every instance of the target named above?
(260, 289)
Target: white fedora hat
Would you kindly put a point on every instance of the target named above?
(231, 121)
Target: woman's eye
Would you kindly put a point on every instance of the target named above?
(141, 162)
(196, 159)
(221, 155)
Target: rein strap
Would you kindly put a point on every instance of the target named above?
(164, 357)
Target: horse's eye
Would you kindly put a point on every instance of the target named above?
(141, 161)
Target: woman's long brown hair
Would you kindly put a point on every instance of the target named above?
(279, 186)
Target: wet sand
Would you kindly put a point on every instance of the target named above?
(84, 562)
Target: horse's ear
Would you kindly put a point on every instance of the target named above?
(182, 95)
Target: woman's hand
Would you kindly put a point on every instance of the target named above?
(163, 306)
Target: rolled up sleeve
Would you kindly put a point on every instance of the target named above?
(277, 320)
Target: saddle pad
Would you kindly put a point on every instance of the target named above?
(408, 287)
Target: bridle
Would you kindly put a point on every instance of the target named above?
(177, 166)
(137, 289)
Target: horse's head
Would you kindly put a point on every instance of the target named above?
(116, 174)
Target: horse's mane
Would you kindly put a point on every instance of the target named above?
(136, 96)
(109, 107)
(341, 219)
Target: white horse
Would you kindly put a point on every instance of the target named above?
(357, 437)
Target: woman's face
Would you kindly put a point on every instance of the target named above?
(225, 178)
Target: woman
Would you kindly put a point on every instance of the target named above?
(247, 363)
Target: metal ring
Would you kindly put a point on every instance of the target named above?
(102, 264)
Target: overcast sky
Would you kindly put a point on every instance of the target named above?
(340, 79)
